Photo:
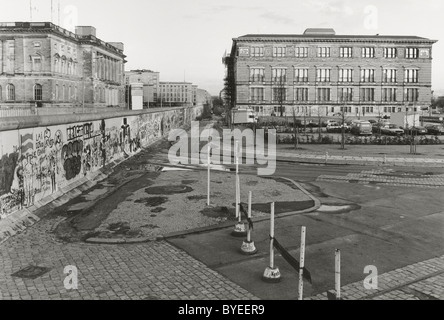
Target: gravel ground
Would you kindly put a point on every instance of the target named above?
(151, 212)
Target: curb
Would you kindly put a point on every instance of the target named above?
(224, 225)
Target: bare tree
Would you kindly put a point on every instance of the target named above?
(295, 129)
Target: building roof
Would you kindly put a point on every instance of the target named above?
(321, 34)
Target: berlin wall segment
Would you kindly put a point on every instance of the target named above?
(39, 159)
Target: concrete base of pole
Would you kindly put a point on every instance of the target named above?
(271, 275)
(248, 248)
(240, 230)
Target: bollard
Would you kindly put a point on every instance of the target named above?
(239, 228)
(301, 264)
(338, 274)
(248, 247)
(272, 273)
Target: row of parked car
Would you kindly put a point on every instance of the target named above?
(395, 130)
(386, 128)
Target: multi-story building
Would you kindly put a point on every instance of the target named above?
(203, 97)
(44, 65)
(150, 80)
(321, 73)
(176, 93)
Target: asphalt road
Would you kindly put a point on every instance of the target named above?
(385, 226)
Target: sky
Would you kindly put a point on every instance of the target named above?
(186, 39)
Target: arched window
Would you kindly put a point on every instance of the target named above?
(10, 92)
(38, 92)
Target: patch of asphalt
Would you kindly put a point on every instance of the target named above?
(224, 225)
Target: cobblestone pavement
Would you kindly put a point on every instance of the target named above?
(388, 177)
(420, 281)
(152, 270)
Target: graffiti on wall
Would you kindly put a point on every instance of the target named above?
(40, 161)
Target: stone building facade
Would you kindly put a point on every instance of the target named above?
(321, 73)
(150, 80)
(44, 65)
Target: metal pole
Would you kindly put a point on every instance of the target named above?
(249, 216)
(272, 236)
(338, 274)
(237, 178)
(301, 264)
(208, 182)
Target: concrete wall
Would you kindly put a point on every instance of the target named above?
(41, 155)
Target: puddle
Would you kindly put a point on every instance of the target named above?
(167, 190)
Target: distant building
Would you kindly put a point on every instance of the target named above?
(176, 93)
(150, 80)
(319, 72)
(44, 65)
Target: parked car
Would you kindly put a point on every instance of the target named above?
(333, 127)
(435, 129)
(372, 121)
(392, 130)
(377, 126)
(417, 130)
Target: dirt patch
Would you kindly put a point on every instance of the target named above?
(219, 212)
(152, 201)
(119, 227)
(197, 197)
(252, 183)
(283, 206)
(158, 209)
(168, 190)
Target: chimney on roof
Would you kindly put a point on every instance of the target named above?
(85, 31)
(320, 31)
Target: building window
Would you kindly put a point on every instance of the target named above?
(346, 109)
(257, 75)
(346, 52)
(36, 64)
(279, 51)
(345, 75)
(64, 93)
(257, 51)
(57, 93)
(389, 94)
(323, 75)
(323, 94)
(390, 53)
(411, 95)
(389, 75)
(10, 92)
(411, 53)
(279, 94)
(367, 94)
(279, 75)
(301, 75)
(323, 52)
(301, 94)
(256, 94)
(301, 52)
(38, 92)
(368, 75)
(411, 75)
(368, 52)
(345, 94)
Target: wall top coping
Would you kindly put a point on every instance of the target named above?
(15, 123)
